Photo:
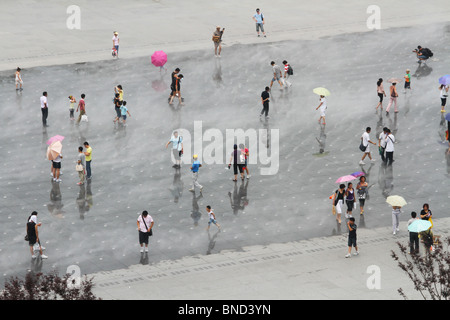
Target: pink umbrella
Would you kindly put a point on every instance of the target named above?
(55, 138)
(159, 58)
(345, 178)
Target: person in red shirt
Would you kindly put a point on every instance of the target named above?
(82, 107)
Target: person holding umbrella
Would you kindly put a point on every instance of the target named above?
(443, 90)
(397, 202)
(413, 235)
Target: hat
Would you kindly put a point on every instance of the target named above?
(115, 32)
(195, 156)
(218, 27)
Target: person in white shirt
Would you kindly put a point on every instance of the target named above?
(365, 141)
(323, 107)
(443, 89)
(382, 144)
(145, 224)
(390, 139)
(44, 108)
(115, 40)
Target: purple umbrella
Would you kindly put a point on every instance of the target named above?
(357, 174)
(55, 138)
(445, 80)
(159, 58)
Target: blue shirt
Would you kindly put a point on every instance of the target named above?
(195, 166)
(123, 110)
(258, 17)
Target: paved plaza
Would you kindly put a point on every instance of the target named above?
(278, 237)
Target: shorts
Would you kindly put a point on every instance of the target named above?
(380, 95)
(352, 241)
(19, 81)
(361, 202)
(217, 44)
(407, 85)
(322, 111)
(338, 206)
(212, 221)
(238, 166)
(118, 112)
(259, 26)
(276, 78)
(124, 117)
(443, 101)
(367, 149)
(56, 165)
(176, 154)
(143, 237)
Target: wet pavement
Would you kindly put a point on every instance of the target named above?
(94, 226)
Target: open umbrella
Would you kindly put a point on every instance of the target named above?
(54, 150)
(55, 138)
(445, 80)
(447, 117)
(321, 91)
(419, 225)
(159, 58)
(394, 80)
(357, 174)
(396, 201)
(345, 178)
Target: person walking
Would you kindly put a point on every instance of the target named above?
(259, 19)
(217, 39)
(195, 167)
(72, 107)
(238, 163)
(82, 107)
(413, 236)
(361, 188)
(245, 152)
(407, 80)
(115, 41)
(144, 224)
(33, 235)
(265, 99)
(382, 144)
(392, 98)
(44, 108)
(365, 138)
(177, 148)
(118, 89)
(381, 93)
(349, 199)
(18, 80)
(81, 165)
(117, 105)
(287, 73)
(323, 107)
(57, 168)
(443, 90)
(176, 89)
(124, 112)
(351, 238)
(88, 159)
(339, 201)
(277, 75)
(395, 219)
(211, 217)
(390, 139)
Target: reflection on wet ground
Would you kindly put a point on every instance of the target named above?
(94, 225)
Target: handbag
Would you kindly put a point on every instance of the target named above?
(362, 147)
(84, 118)
(26, 237)
(79, 167)
(150, 233)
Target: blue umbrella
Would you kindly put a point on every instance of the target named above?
(445, 80)
(419, 225)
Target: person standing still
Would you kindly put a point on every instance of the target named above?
(407, 80)
(88, 154)
(259, 19)
(18, 80)
(145, 224)
(177, 148)
(57, 168)
(115, 40)
(217, 39)
(44, 108)
(81, 161)
(413, 236)
(265, 102)
(351, 238)
(443, 95)
(72, 107)
(365, 138)
(195, 167)
(390, 139)
(382, 144)
(82, 107)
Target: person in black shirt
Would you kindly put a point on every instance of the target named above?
(351, 237)
(265, 102)
(117, 104)
(175, 86)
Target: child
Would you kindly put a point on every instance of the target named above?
(81, 161)
(351, 237)
(212, 217)
(124, 111)
(244, 152)
(407, 80)
(72, 107)
(323, 108)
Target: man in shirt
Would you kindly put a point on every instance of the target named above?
(217, 39)
(44, 108)
(115, 40)
(277, 75)
(177, 148)
(88, 159)
(82, 107)
(365, 141)
(390, 139)
(195, 166)
(265, 102)
(382, 144)
(145, 224)
(259, 19)
(286, 73)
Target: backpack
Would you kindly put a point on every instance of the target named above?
(427, 52)
(290, 71)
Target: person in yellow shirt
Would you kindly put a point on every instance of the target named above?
(118, 89)
(88, 154)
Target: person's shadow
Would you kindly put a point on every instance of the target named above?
(55, 206)
(322, 142)
(81, 202)
(177, 186)
(195, 213)
(238, 199)
(217, 74)
(422, 70)
(212, 241)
